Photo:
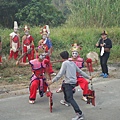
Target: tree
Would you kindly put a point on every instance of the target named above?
(62, 6)
(39, 12)
(8, 9)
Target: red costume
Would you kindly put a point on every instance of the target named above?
(14, 43)
(38, 78)
(28, 44)
(47, 44)
(82, 82)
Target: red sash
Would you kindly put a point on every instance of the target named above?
(27, 41)
(39, 73)
(15, 39)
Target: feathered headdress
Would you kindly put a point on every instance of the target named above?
(45, 30)
(26, 28)
(75, 47)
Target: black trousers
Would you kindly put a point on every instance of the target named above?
(103, 62)
(68, 96)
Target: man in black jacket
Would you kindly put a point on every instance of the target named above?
(105, 44)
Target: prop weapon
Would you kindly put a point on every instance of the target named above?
(49, 94)
(29, 50)
(91, 92)
(89, 65)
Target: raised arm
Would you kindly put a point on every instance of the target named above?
(22, 64)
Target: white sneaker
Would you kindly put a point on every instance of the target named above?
(84, 98)
(53, 74)
(63, 102)
(78, 117)
(31, 101)
(59, 90)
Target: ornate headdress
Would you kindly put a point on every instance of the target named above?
(15, 26)
(75, 47)
(26, 28)
(45, 30)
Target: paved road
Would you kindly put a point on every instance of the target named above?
(107, 105)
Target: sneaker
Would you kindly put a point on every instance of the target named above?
(59, 90)
(84, 98)
(105, 75)
(31, 101)
(53, 74)
(102, 74)
(78, 117)
(63, 102)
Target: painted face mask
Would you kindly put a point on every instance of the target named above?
(27, 33)
(44, 37)
(74, 54)
(42, 56)
(15, 30)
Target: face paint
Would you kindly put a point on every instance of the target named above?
(74, 54)
(15, 30)
(44, 37)
(27, 33)
(41, 56)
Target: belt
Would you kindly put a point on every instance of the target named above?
(26, 45)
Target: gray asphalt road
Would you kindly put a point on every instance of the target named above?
(107, 105)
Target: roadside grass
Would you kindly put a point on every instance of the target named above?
(64, 37)
(10, 73)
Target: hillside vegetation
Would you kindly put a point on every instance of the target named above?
(84, 13)
(63, 37)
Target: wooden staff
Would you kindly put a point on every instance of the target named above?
(91, 92)
(49, 94)
(29, 50)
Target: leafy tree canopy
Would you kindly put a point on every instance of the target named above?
(34, 12)
(8, 8)
(39, 12)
